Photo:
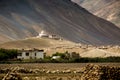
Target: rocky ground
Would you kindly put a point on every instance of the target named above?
(88, 72)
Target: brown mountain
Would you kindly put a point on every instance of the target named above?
(25, 18)
(107, 9)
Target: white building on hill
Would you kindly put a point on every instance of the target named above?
(43, 35)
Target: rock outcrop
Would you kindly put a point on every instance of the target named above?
(95, 72)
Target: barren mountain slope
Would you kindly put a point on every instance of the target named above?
(25, 18)
(107, 9)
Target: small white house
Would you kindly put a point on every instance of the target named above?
(31, 54)
(53, 36)
(56, 57)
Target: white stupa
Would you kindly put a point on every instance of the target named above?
(42, 34)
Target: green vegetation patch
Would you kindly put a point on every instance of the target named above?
(6, 54)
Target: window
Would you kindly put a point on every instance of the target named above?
(35, 54)
(27, 54)
(19, 54)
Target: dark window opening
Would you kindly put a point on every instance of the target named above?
(35, 54)
(27, 54)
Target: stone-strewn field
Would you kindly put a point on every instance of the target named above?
(62, 71)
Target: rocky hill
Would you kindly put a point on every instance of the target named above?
(20, 19)
(107, 9)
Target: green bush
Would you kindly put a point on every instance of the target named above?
(6, 54)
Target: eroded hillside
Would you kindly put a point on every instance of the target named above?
(107, 9)
(25, 18)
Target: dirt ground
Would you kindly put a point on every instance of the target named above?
(55, 65)
(70, 69)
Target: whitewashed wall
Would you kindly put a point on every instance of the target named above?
(32, 55)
